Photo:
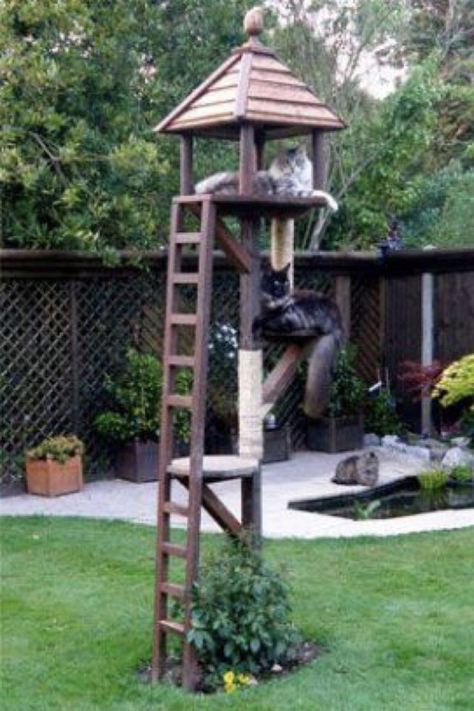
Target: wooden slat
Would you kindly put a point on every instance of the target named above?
(230, 79)
(275, 108)
(188, 238)
(174, 549)
(176, 591)
(223, 109)
(216, 96)
(282, 374)
(185, 278)
(283, 92)
(301, 120)
(244, 78)
(171, 626)
(172, 507)
(265, 62)
(185, 401)
(276, 76)
(183, 319)
(182, 361)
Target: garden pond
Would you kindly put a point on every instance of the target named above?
(404, 497)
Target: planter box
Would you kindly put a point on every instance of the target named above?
(276, 445)
(335, 434)
(138, 462)
(49, 478)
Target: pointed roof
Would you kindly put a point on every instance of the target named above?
(254, 86)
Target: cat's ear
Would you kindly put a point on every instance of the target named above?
(301, 150)
(286, 269)
(266, 267)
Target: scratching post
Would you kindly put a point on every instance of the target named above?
(282, 246)
(250, 403)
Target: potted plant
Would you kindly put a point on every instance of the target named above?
(54, 466)
(341, 428)
(133, 418)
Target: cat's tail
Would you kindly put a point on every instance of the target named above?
(216, 183)
(321, 362)
(331, 203)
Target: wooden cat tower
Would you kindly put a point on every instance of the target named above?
(251, 98)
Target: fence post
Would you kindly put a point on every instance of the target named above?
(343, 300)
(427, 344)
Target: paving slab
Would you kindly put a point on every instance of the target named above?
(305, 475)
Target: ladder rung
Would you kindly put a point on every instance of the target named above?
(185, 277)
(180, 401)
(176, 591)
(182, 360)
(174, 549)
(183, 319)
(188, 237)
(172, 508)
(170, 626)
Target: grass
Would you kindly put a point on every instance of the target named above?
(395, 615)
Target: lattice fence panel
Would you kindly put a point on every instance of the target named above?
(35, 384)
(366, 326)
(59, 337)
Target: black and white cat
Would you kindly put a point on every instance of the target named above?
(302, 314)
(290, 173)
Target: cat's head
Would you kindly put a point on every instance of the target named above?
(292, 160)
(275, 286)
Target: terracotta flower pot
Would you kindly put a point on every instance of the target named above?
(47, 477)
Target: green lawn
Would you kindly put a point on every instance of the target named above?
(395, 615)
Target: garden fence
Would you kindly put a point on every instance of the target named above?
(67, 320)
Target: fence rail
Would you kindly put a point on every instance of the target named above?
(67, 319)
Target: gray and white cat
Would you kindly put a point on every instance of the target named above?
(360, 469)
(290, 173)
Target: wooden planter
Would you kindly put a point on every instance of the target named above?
(47, 477)
(335, 434)
(138, 461)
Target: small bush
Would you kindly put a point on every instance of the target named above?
(463, 474)
(433, 480)
(380, 415)
(59, 448)
(240, 613)
(347, 391)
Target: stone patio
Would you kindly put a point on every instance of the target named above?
(305, 475)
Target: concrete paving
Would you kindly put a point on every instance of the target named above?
(305, 475)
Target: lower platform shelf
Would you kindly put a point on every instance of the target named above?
(217, 467)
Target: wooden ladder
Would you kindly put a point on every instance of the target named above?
(171, 402)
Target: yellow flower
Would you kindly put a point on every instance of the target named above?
(229, 688)
(229, 677)
(243, 679)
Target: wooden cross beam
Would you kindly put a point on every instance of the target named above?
(282, 374)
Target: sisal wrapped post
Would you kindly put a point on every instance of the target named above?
(282, 246)
(250, 404)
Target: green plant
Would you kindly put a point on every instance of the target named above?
(240, 613)
(347, 391)
(60, 448)
(135, 396)
(457, 383)
(380, 415)
(433, 479)
(463, 474)
(364, 512)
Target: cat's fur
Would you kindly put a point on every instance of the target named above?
(362, 469)
(290, 173)
(302, 314)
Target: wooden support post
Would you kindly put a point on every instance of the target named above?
(427, 344)
(343, 300)
(186, 165)
(250, 379)
(319, 160)
(247, 159)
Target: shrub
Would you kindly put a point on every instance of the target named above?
(347, 391)
(457, 383)
(59, 448)
(433, 480)
(463, 474)
(240, 613)
(380, 415)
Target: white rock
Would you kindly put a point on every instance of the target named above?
(419, 452)
(390, 440)
(277, 669)
(456, 457)
(460, 441)
(371, 440)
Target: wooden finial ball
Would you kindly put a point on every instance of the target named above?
(253, 21)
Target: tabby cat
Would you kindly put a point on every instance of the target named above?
(302, 314)
(290, 173)
(360, 469)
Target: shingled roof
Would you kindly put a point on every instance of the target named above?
(252, 85)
